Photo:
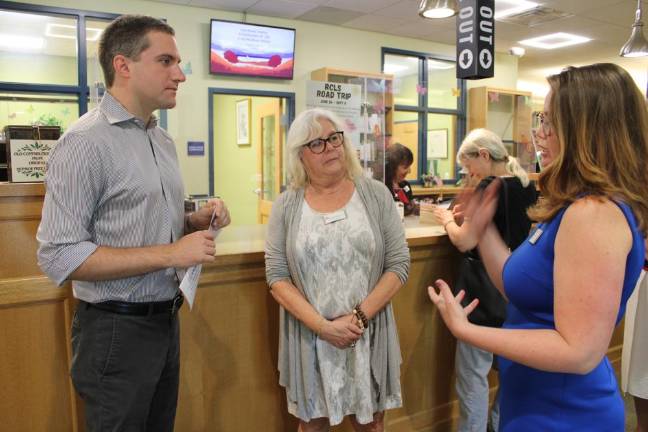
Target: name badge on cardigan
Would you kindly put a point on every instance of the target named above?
(335, 216)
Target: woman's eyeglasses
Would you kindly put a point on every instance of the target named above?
(318, 145)
(545, 123)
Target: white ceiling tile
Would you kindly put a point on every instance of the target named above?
(329, 15)
(607, 22)
(406, 9)
(366, 6)
(280, 8)
(622, 14)
(315, 2)
(180, 2)
(582, 7)
(229, 5)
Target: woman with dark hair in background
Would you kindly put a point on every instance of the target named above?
(398, 160)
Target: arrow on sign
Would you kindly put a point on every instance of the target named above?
(485, 58)
(465, 59)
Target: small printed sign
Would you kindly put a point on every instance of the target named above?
(344, 100)
(195, 148)
(476, 39)
(29, 159)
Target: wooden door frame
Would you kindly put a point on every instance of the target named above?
(212, 91)
(265, 206)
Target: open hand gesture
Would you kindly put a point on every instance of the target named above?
(454, 315)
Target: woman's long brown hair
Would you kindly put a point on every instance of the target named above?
(601, 121)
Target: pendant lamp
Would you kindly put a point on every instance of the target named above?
(437, 8)
(637, 45)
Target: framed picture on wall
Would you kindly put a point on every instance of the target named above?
(243, 114)
(437, 144)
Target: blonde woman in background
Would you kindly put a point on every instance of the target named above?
(485, 158)
(335, 256)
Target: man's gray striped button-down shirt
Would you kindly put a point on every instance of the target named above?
(111, 181)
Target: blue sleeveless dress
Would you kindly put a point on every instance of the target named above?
(532, 400)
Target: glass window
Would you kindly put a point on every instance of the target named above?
(406, 133)
(441, 137)
(38, 49)
(431, 115)
(38, 109)
(96, 84)
(442, 90)
(406, 87)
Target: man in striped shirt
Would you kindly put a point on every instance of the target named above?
(114, 223)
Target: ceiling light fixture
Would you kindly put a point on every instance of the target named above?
(555, 40)
(435, 64)
(437, 8)
(517, 51)
(504, 8)
(21, 43)
(66, 31)
(637, 46)
(391, 68)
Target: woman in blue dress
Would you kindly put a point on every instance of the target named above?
(568, 283)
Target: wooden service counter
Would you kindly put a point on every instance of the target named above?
(229, 379)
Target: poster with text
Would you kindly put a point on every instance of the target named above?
(343, 99)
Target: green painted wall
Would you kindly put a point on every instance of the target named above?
(39, 69)
(317, 45)
(235, 167)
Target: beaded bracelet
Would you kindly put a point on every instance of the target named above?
(360, 315)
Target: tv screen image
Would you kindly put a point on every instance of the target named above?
(251, 50)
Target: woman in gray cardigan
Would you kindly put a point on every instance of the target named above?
(335, 256)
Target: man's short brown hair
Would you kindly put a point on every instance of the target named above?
(127, 35)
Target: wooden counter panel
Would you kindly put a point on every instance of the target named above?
(37, 393)
(229, 378)
(19, 219)
(427, 346)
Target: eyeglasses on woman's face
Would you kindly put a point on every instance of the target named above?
(545, 123)
(318, 145)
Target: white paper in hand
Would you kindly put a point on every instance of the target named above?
(189, 282)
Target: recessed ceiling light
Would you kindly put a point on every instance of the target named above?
(391, 68)
(435, 64)
(19, 42)
(504, 8)
(517, 51)
(555, 40)
(67, 31)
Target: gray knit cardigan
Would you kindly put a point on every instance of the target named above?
(296, 340)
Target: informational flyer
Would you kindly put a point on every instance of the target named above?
(343, 99)
(189, 282)
(28, 159)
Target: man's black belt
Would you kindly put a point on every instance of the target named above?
(150, 308)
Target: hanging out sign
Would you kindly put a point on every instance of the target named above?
(476, 39)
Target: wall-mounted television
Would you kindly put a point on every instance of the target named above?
(253, 50)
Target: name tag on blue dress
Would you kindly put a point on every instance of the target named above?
(335, 216)
(535, 236)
